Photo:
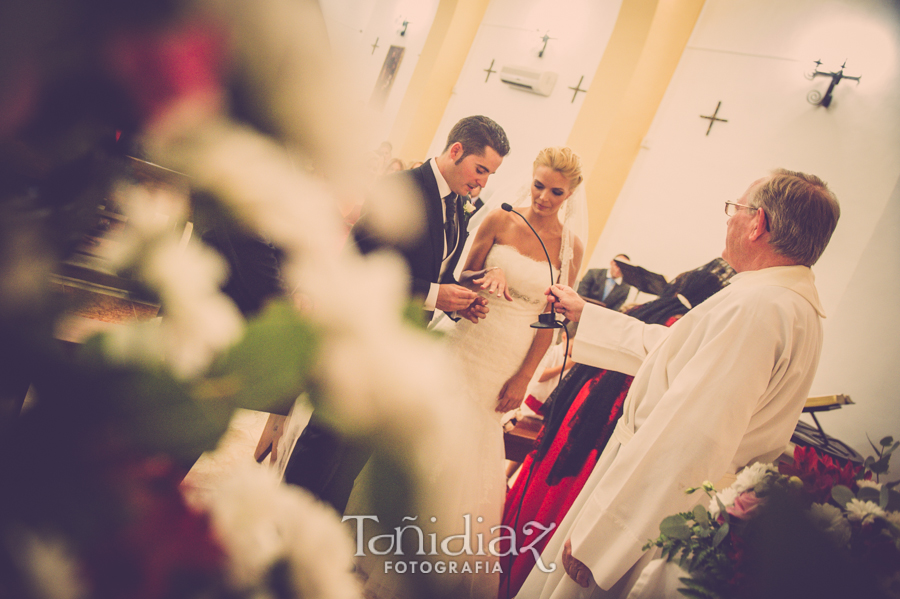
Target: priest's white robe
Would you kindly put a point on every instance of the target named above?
(720, 389)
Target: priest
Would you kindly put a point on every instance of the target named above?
(721, 389)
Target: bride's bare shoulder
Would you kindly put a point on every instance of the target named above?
(497, 219)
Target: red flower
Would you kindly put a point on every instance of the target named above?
(819, 473)
(161, 67)
(163, 547)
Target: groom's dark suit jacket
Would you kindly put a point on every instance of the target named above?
(326, 463)
(425, 252)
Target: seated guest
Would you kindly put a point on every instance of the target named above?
(583, 411)
(721, 388)
(393, 166)
(605, 284)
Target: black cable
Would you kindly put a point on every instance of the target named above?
(531, 470)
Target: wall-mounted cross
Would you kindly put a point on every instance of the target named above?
(714, 118)
(489, 71)
(375, 45)
(577, 89)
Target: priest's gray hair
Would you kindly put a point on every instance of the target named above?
(801, 214)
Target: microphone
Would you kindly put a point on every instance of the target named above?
(547, 320)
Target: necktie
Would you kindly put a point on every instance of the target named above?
(450, 224)
(607, 287)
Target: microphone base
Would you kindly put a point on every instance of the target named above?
(547, 320)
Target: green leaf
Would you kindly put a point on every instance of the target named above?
(723, 511)
(159, 415)
(893, 503)
(695, 589)
(721, 534)
(886, 441)
(414, 315)
(269, 367)
(842, 495)
(675, 527)
(868, 494)
(875, 449)
(701, 516)
(881, 465)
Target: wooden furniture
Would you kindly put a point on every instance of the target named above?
(520, 440)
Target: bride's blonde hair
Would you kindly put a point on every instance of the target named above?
(562, 160)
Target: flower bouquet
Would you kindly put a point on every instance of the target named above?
(813, 527)
(235, 102)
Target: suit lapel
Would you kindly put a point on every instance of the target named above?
(434, 214)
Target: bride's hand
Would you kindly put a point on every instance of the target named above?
(494, 281)
(512, 393)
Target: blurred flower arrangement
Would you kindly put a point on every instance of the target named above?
(240, 99)
(836, 518)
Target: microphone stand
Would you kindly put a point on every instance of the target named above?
(547, 320)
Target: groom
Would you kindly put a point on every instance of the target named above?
(475, 148)
(323, 462)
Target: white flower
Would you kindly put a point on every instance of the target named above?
(199, 321)
(49, 565)
(863, 511)
(261, 521)
(726, 496)
(868, 483)
(751, 476)
(469, 208)
(830, 519)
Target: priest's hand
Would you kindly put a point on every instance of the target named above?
(453, 297)
(576, 570)
(565, 301)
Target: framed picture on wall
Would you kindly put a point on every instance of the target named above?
(386, 77)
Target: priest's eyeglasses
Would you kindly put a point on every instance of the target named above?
(731, 209)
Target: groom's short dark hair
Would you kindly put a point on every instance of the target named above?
(475, 133)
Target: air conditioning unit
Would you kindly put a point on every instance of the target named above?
(529, 80)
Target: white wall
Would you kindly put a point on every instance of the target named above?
(751, 55)
(353, 26)
(510, 34)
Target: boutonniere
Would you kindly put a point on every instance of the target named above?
(469, 208)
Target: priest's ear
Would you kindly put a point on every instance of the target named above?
(760, 224)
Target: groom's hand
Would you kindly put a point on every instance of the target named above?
(452, 297)
(476, 310)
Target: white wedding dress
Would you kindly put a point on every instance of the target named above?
(487, 354)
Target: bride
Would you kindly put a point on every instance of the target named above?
(498, 355)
